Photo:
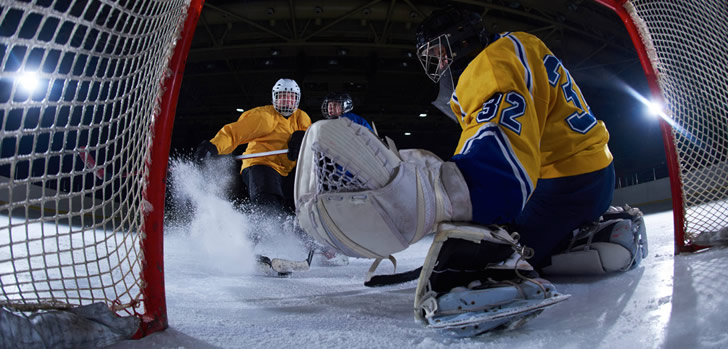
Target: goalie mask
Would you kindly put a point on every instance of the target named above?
(448, 39)
(286, 96)
(336, 104)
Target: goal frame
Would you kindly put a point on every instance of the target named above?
(94, 48)
(671, 155)
(155, 318)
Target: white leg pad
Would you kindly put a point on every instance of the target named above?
(602, 258)
(357, 195)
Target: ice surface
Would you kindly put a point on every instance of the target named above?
(216, 299)
(668, 302)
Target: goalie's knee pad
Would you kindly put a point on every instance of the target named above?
(618, 242)
(358, 195)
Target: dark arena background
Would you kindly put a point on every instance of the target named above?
(366, 48)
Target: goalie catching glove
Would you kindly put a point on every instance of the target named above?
(368, 200)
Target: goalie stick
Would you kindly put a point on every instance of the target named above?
(283, 267)
(393, 279)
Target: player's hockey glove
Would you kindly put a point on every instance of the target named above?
(204, 151)
(294, 145)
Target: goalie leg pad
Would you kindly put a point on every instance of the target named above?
(617, 243)
(497, 288)
(357, 195)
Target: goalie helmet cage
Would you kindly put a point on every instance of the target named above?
(684, 53)
(93, 78)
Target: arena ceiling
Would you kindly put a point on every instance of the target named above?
(366, 48)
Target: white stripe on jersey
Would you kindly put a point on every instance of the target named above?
(490, 129)
(521, 52)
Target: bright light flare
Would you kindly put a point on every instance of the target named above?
(28, 81)
(655, 109)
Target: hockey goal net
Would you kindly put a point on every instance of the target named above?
(88, 92)
(684, 52)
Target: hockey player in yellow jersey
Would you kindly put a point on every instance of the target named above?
(278, 126)
(528, 189)
(271, 127)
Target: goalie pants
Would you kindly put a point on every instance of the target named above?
(560, 205)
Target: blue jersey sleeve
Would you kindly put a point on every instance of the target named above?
(499, 185)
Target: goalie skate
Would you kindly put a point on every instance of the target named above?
(466, 312)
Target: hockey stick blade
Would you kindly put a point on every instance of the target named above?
(283, 267)
(393, 279)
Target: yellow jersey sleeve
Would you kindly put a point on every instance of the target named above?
(523, 118)
(251, 125)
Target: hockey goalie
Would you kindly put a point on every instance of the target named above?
(527, 192)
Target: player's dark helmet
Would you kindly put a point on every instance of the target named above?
(448, 39)
(340, 103)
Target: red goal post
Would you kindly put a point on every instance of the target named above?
(88, 78)
(684, 53)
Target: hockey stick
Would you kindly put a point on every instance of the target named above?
(261, 154)
(89, 163)
(393, 279)
(99, 172)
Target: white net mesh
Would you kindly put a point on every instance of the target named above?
(79, 80)
(686, 41)
(333, 177)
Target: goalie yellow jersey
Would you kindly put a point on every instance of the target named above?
(263, 129)
(523, 119)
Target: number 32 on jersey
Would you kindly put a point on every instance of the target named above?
(581, 120)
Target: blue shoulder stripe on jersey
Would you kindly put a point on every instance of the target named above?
(490, 146)
(462, 112)
(503, 34)
(521, 52)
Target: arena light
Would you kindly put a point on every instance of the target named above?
(28, 81)
(240, 110)
(658, 110)
(407, 134)
(655, 109)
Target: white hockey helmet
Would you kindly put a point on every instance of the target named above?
(286, 96)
